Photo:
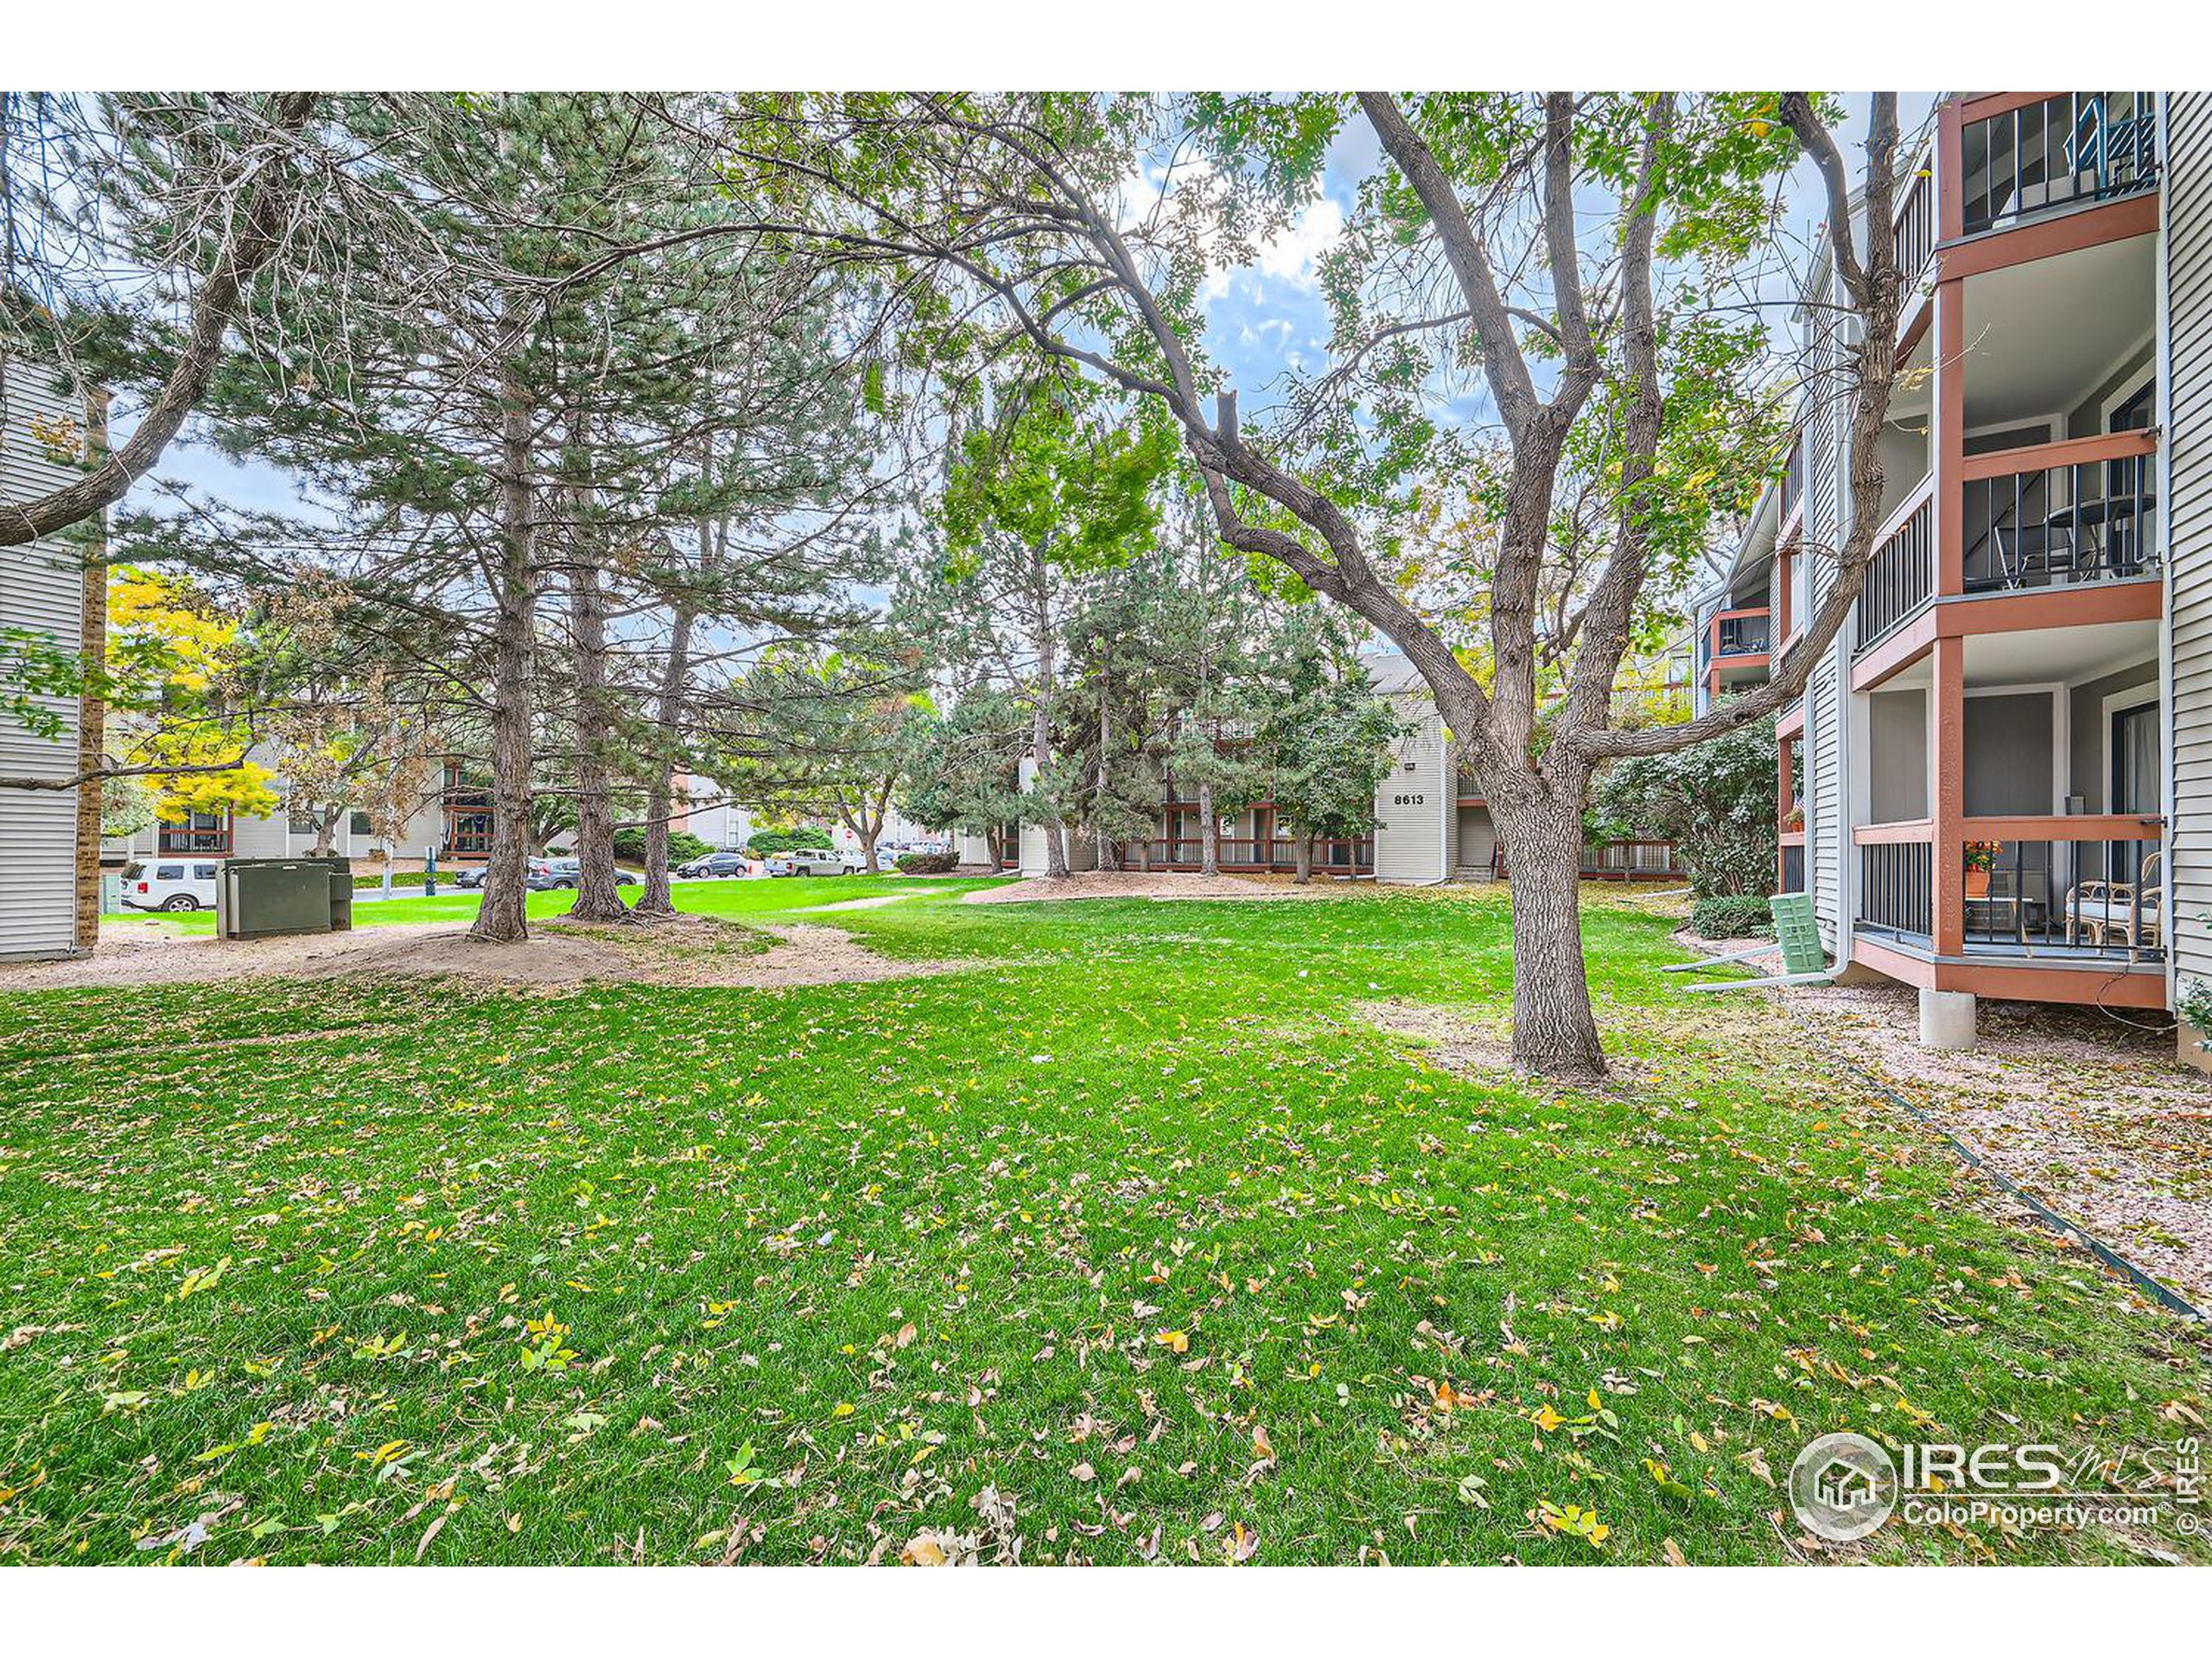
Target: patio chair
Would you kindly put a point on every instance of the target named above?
(2035, 554)
(2129, 913)
(1796, 931)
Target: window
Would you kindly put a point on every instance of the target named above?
(358, 823)
(201, 832)
(168, 872)
(203, 872)
(301, 824)
(2135, 773)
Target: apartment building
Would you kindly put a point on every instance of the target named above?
(1998, 783)
(45, 433)
(1433, 821)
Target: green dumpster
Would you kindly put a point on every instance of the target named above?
(257, 897)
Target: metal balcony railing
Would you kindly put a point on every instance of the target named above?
(2074, 148)
(1913, 236)
(1901, 576)
(2089, 519)
(1896, 886)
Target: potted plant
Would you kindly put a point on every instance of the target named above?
(1981, 859)
(1795, 822)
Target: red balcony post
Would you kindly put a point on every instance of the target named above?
(1948, 716)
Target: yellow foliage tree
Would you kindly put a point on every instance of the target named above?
(170, 656)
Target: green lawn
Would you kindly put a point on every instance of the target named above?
(1137, 1240)
(738, 898)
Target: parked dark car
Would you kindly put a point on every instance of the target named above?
(718, 864)
(567, 872)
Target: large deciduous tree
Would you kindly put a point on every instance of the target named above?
(1537, 303)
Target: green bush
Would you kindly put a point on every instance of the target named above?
(683, 846)
(928, 863)
(1735, 917)
(783, 841)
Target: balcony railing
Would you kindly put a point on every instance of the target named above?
(196, 838)
(1341, 856)
(2075, 147)
(1901, 576)
(2092, 518)
(2057, 888)
(2069, 887)
(1741, 633)
(1896, 886)
(1912, 237)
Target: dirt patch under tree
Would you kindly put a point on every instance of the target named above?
(686, 950)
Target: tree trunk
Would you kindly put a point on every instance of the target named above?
(1040, 731)
(1104, 860)
(1208, 833)
(992, 847)
(1305, 860)
(92, 708)
(598, 898)
(1554, 1032)
(326, 831)
(658, 899)
(503, 915)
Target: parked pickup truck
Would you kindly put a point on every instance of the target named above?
(814, 861)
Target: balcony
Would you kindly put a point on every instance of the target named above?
(208, 833)
(1912, 233)
(2090, 514)
(1732, 649)
(1277, 855)
(2045, 155)
(1901, 574)
(2049, 891)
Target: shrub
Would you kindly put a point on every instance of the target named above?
(1716, 801)
(683, 846)
(783, 841)
(1735, 917)
(928, 863)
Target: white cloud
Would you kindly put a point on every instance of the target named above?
(1290, 255)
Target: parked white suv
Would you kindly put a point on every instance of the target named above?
(170, 883)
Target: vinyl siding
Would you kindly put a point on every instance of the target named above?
(41, 588)
(2187, 193)
(1825, 819)
(1414, 805)
(1827, 822)
(1082, 851)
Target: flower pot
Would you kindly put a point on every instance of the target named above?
(1977, 884)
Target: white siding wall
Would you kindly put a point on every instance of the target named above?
(1083, 852)
(41, 587)
(2187, 191)
(1827, 820)
(1413, 807)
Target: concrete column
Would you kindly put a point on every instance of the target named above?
(1947, 1018)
